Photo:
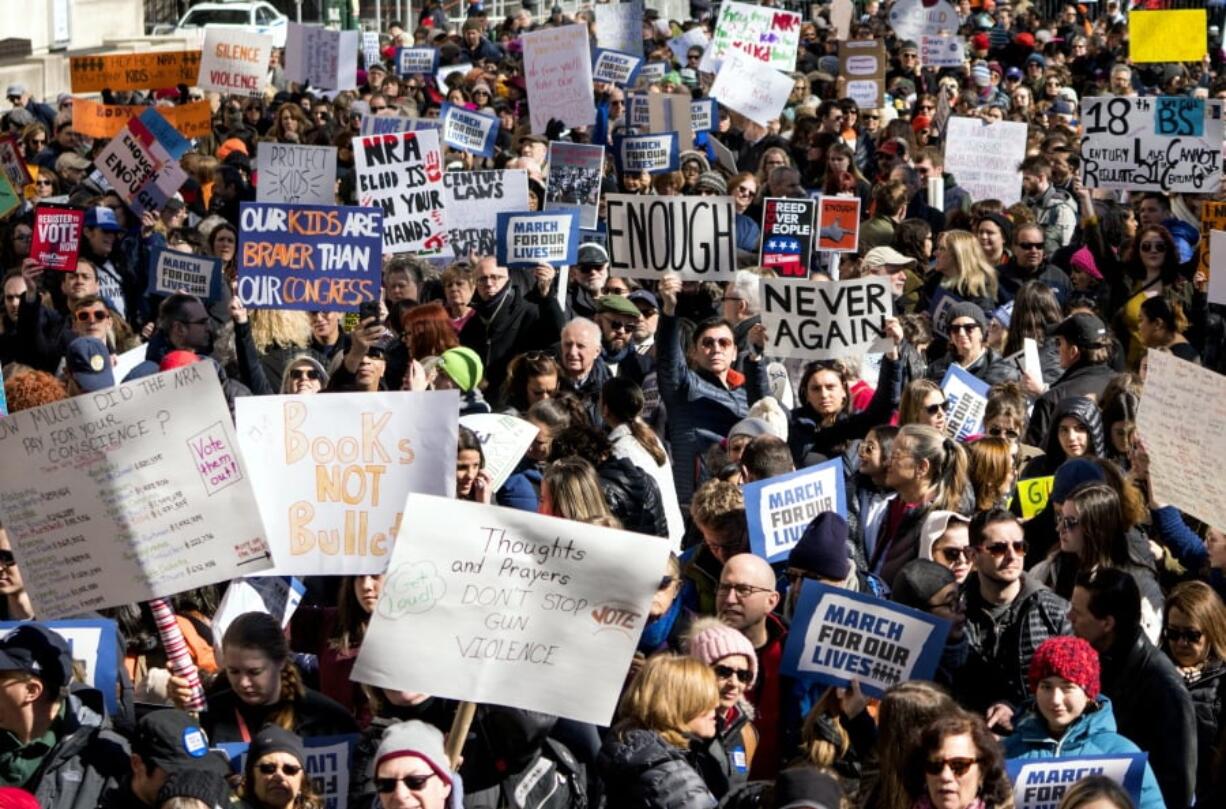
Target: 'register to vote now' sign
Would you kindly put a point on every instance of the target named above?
(838, 636)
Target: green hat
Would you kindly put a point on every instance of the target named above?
(618, 305)
(463, 366)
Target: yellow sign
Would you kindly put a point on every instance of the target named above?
(1167, 36)
(1212, 217)
(133, 71)
(94, 120)
(1033, 493)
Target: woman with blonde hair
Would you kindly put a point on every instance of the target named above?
(923, 402)
(291, 125)
(646, 760)
(267, 341)
(570, 489)
(963, 269)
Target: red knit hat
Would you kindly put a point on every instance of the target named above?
(1069, 657)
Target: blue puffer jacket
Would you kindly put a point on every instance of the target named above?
(696, 400)
(1093, 734)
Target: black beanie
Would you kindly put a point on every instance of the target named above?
(204, 785)
(918, 581)
(275, 739)
(822, 549)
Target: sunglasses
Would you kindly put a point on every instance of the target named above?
(962, 327)
(711, 342)
(415, 783)
(959, 766)
(7, 559)
(997, 432)
(1153, 247)
(1172, 634)
(304, 373)
(666, 582)
(746, 192)
(271, 767)
(727, 673)
(1019, 547)
(94, 315)
(1067, 523)
(1030, 245)
(952, 555)
(377, 109)
(621, 325)
(933, 409)
(871, 117)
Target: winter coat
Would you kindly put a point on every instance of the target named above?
(633, 497)
(88, 761)
(1083, 379)
(990, 367)
(314, 715)
(1091, 734)
(1056, 213)
(642, 771)
(807, 437)
(625, 445)
(1207, 688)
(514, 326)
(1000, 650)
(1154, 710)
(1012, 276)
(1086, 412)
(723, 760)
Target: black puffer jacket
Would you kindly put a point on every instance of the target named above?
(88, 761)
(633, 497)
(1081, 380)
(991, 368)
(1208, 691)
(642, 771)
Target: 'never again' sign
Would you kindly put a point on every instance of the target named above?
(823, 320)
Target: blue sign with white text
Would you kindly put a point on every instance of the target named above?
(779, 509)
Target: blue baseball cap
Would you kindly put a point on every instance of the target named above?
(103, 217)
(35, 649)
(90, 364)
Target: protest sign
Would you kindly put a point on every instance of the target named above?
(278, 596)
(985, 157)
(680, 45)
(655, 153)
(1040, 783)
(1215, 245)
(966, 399)
(296, 173)
(402, 174)
(474, 199)
(392, 124)
(821, 320)
(912, 19)
(1149, 144)
(693, 236)
(529, 238)
(780, 508)
(520, 609)
(1212, 217)
(171, 271)
(12, 163)
(669, 112)
(787, 236)
(838, 224)
(370, 48)
(194, 120)
(468, 130)
(766, 34)
(619, 27)
(10, 198)
(329, 763)
(652, 72)
(142, 163)
(127, 494)
(863, 63)
(443, 73)
(841, 12)
(615, 67)
(128, 360)
(704, 115)
(132, 71)
(1033, 494)
(942, 51)
(321, 58)
(558, 69)
(575, 173)
(942, 301)
(94, 643)
(308, 257)
(838, 636)
(413, 61)
(332, 471)
(1181, 449)
(1026, 361)
(752, 88)
(1167, 36)
(4, 402)
(56, 240)
(504, 440)
(234, 61)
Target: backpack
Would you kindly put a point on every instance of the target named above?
(552, 779)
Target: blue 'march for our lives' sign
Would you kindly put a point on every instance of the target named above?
(1040, 783)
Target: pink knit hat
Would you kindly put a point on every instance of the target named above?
(715, 641)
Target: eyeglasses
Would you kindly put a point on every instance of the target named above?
(94, 315)
(997, 432)
(745, 191)
(45, 181)
(271, 767)
(1019, 547)
(491, 280)
(1176, 635)
(727, 673)
(954, 328)
(666, 582)
(7, 559)
(711, 342)
(376, 353)
(304, 373)
(199, 322)
(868, 117)
(951, 556)
(959, 766)
(1030, 245)
(589, 267)
(21, 237)
(933, 409)
(415, 783)
(693, 56)
(743, 591)
(373, 108)
(1067, 523)
(1153, 247)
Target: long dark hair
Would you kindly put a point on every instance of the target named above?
(625, 402)
(1035, 309)
(996, 790)
(1170, 263)
(261, 632)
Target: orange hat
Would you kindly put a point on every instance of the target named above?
(231, 145)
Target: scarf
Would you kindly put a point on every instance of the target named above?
(488, 310)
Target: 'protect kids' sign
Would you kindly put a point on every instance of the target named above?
(309, 257)
(839, 636)
(780, 508)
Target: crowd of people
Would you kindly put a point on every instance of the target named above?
(1095, 627)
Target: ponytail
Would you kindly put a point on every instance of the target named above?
(292, 690)
(643, 434)
(624, 401)
(952, 479)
